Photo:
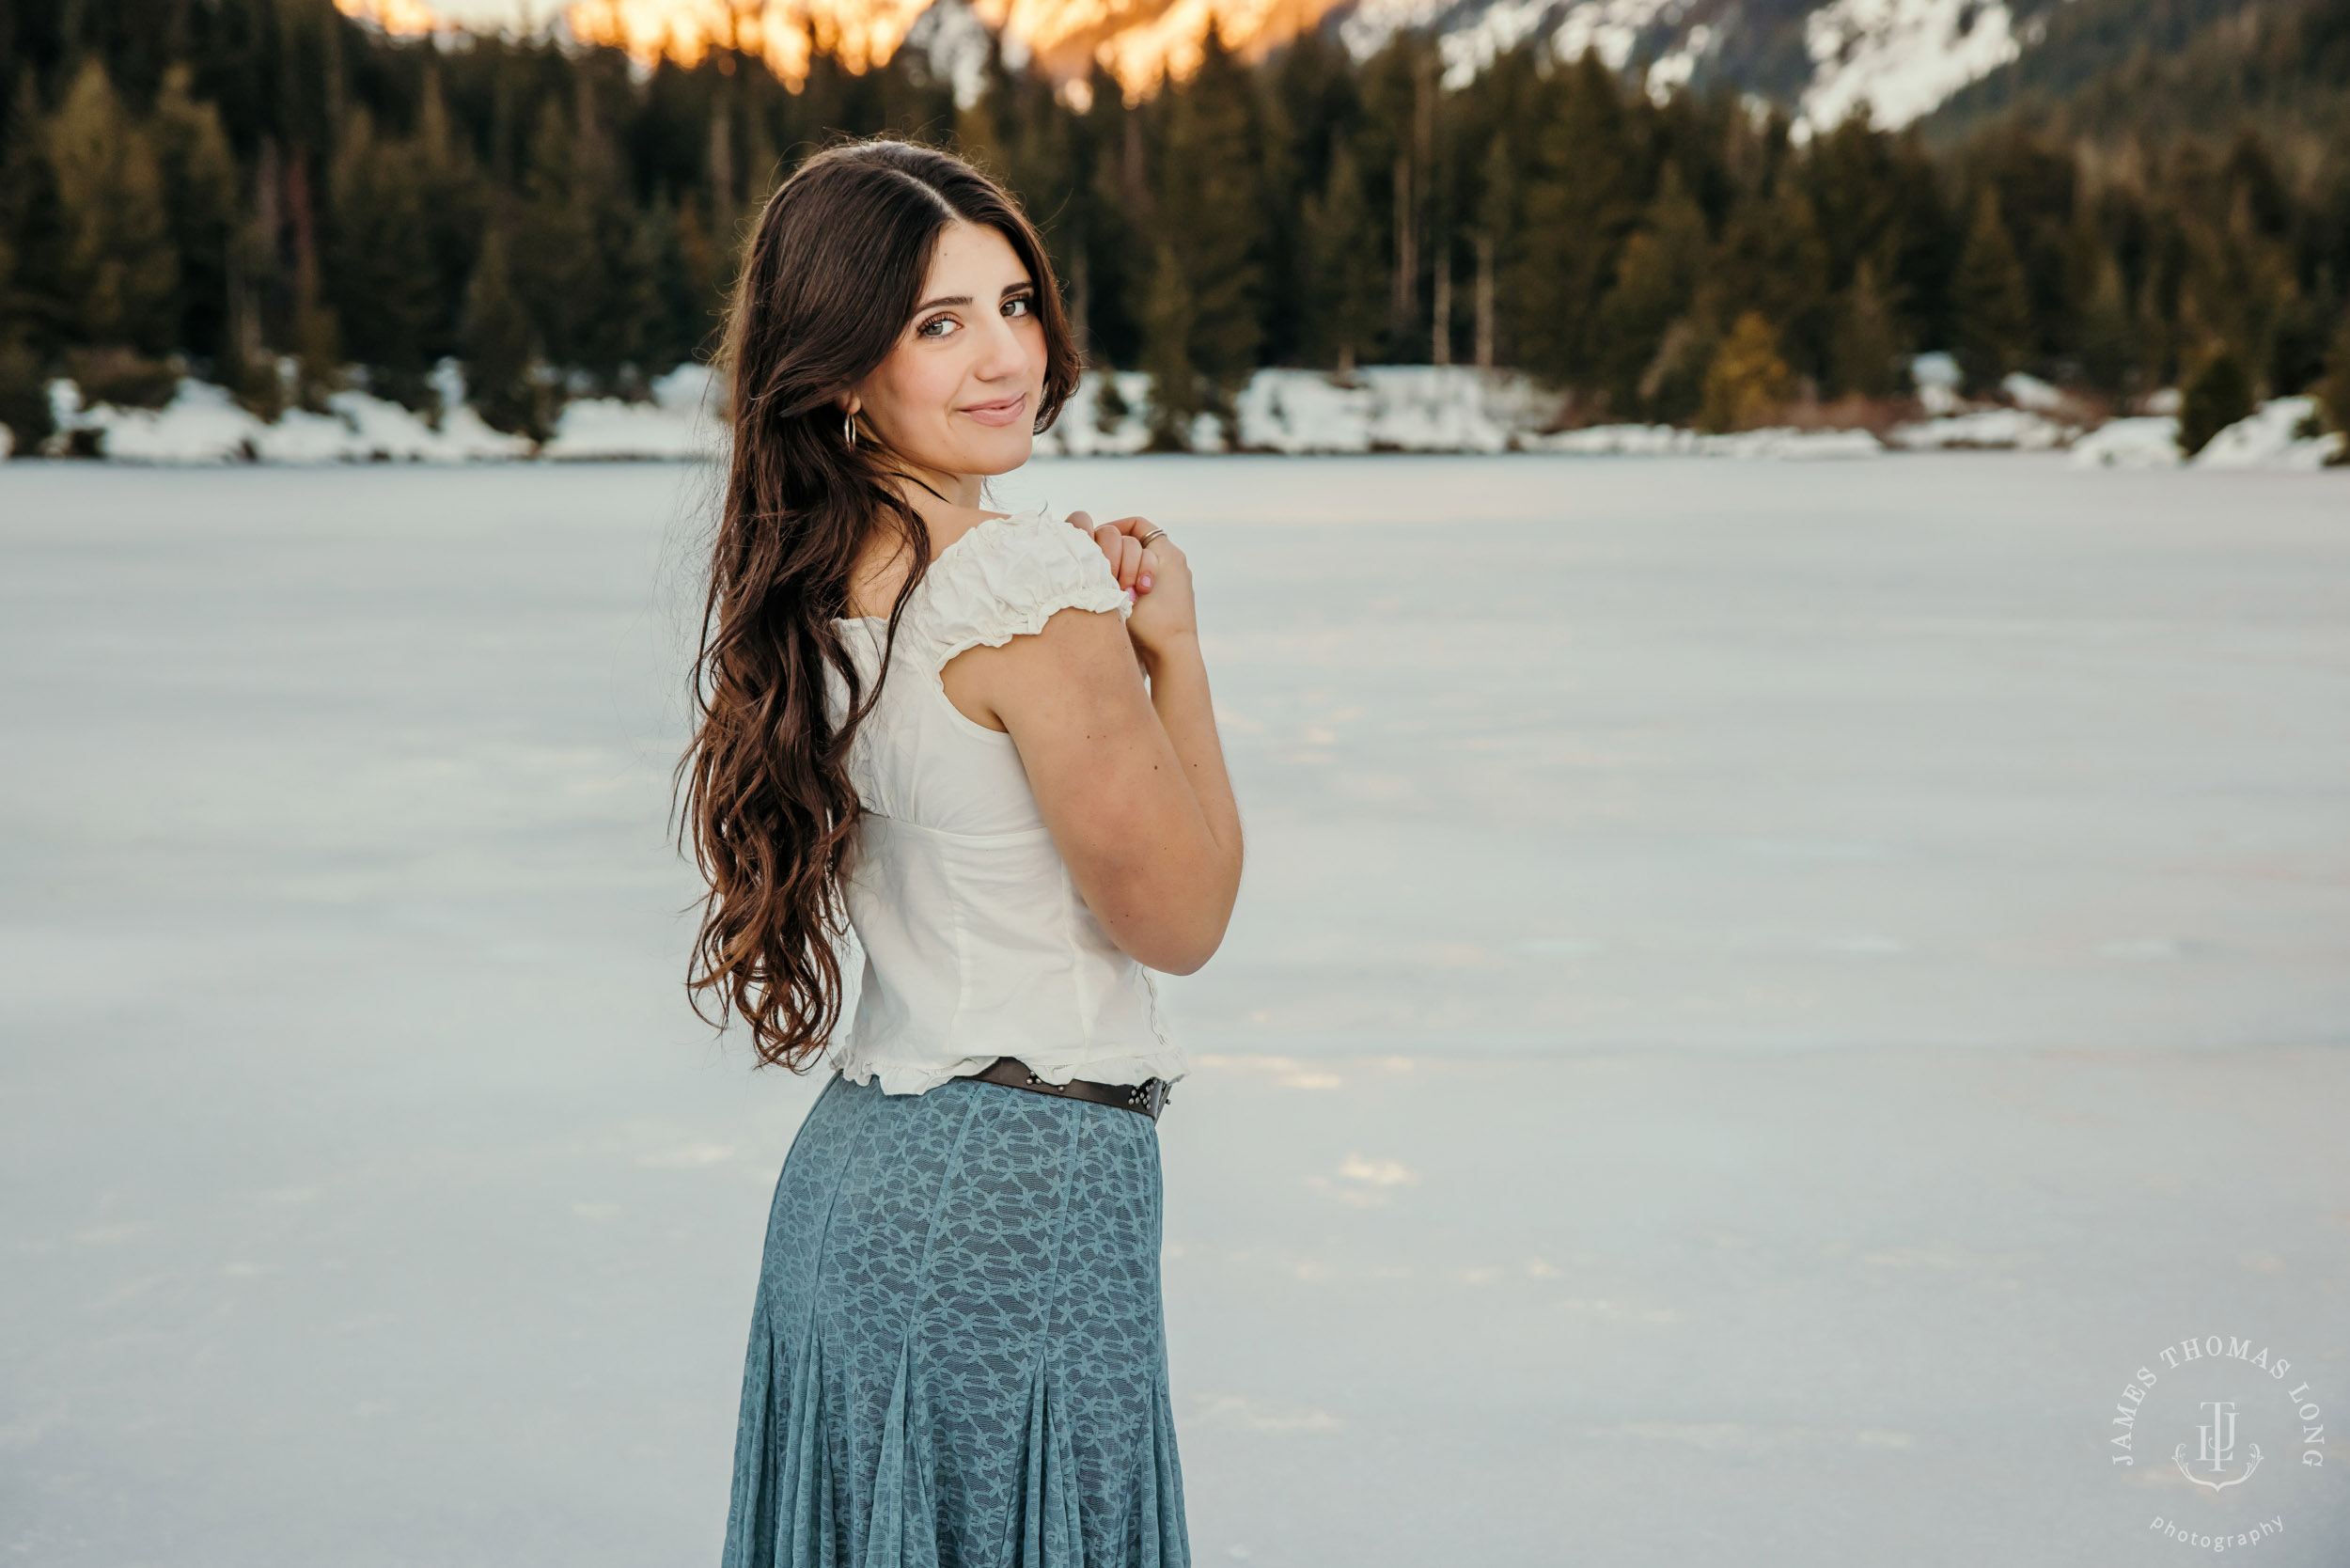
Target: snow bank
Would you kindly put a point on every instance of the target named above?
(680, 422)
(199, 425)
(203, 424)
(1938, 378)
(1410, 408)
(1619, 441)
(1090, 425)
(1670, 441)
(2031, 392)
(2148, 442)
(1383, 408)
(1404, 408)
(2004, 430)
(1793, 445)
(2271, 438)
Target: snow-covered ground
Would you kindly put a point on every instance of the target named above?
(1897, 59)
(2278, 437)
(201, 424)
(1672, 441)
(1762, 996)
(2273, 438)
(1383, 408)
(2002, 430)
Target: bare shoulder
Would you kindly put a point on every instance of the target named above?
(1077, 666)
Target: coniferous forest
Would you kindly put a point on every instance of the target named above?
(227, 186)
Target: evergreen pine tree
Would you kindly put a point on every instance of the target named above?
(1343, 292)
(1497, 226)
(118, 272)
(1122, 257)
(1207, 217)
(1748, 380)
(1867, 343)
(2107, 335)
(24, 399)
(2217, 394)
(2333, 393)
(1657, 278)
(1775, 262)
(1990, 308)
(1672, 386)
(1167, 322)
(199, 170)
(624, 260)
(28, 230)
(23, 396)
(501, 378)
(1582, 201)
(1109, 405)
(553, 260)
(456, 208)
(383, 274)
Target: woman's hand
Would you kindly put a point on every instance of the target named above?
(1132, 562)
(1157, 578)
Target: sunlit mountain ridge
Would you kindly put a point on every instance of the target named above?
(1139, 43)
(1894, 60)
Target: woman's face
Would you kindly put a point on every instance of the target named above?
(959, 393)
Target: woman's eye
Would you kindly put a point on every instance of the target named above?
(938, 326)
(1024, 305)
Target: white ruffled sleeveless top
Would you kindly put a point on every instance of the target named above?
(978, 943)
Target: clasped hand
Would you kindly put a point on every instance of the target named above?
(1155, 574)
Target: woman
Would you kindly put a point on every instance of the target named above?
(930, 721)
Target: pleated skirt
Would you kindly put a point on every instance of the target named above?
(958, 1356)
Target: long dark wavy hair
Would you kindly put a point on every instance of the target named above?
(829, 285)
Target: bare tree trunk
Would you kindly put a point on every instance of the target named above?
(1080, 295)
(1133, 172)
(1406, 252)
(722, 169)
(1423, 194)
(1485, 302)
(1440, 329)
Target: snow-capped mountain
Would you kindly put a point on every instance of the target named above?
(1822, 58)
(1901, 57)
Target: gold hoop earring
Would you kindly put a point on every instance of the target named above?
(847, 427)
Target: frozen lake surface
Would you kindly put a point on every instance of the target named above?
(1763, 994)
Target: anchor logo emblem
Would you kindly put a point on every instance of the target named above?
(2217, 1449)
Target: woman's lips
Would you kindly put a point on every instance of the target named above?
(1003, 411)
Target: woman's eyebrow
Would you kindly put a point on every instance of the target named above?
(965, 299)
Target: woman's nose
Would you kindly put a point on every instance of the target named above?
(1002, 352)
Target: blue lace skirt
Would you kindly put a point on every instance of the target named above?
(957, 1357)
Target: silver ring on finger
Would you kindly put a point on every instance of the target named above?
(1152, 535)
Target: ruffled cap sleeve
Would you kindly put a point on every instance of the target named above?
(1006, 577)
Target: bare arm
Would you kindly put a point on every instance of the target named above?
(1129, 778)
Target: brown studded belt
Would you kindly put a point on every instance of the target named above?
(1147, 1098)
